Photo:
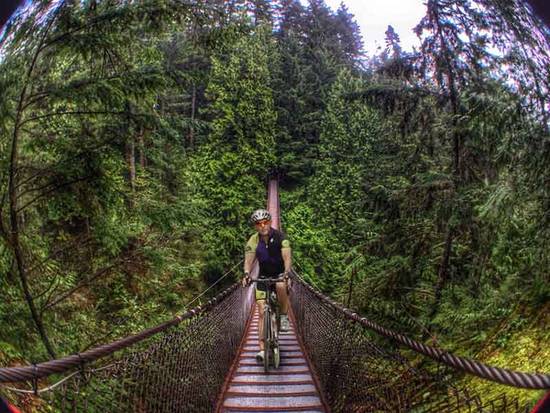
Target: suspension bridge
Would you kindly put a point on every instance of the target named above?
(333, 360)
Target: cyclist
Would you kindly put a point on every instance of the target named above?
(5, 407)
(272, 250)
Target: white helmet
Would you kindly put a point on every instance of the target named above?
(260, 215)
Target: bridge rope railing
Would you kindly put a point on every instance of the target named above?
(179, 365)
(360, 365)
(47, 368)
(500, 375)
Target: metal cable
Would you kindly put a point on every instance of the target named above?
(360, 370)
(497, 374)
(15, 374)
(212, 286)
(180, 369)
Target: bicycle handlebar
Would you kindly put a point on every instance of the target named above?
(269, 280)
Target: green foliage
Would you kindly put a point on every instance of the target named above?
(409, 173)
(316, 252)
(135, 138)
(350, 133)
(227, 172)
(314, 45)
(106, 222)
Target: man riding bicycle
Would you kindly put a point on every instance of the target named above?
(272, 250)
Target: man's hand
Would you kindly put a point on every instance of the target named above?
(245, 281)
(286, 277)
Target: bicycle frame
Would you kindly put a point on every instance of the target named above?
(271, 322)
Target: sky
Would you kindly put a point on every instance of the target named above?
(373, 17)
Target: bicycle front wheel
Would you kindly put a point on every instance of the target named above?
(267, 338)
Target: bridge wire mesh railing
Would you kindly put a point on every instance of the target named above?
(362, 370)
(181, 365)
(178, 366)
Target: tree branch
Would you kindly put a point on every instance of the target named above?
(80, 285)
(34, 98)
(15, 243)
(40, 172)
(75, 113)
(47, 289)
(62, 36)
(43, 194)
(58, 251)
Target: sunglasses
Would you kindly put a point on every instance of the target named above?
(262, 223)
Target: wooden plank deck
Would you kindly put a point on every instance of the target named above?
(290, 388)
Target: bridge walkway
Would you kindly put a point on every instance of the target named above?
(291, 388)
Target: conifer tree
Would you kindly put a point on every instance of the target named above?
(230, 168)
(69, 130)
(263, 12)
(455, 54)
(348, 35)
(315, 43)
(346, 163)
(393, 46)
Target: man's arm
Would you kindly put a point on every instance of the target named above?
(249, 258)
(286, 253)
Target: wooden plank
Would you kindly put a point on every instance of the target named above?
(310, 402)
(282, 369)
(274, 389)
(273, 378)
(271, 409)
(287, 362)
(290, 388)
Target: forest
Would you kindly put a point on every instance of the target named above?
(136, 138)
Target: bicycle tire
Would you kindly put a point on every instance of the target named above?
(275, 339)
(267, 338)
(276, 357)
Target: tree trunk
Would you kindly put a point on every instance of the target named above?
(13, 194)
(443, 272)
(131, 160)
(191, 136)
(457, 143)
(141, 148)
(448, 72)
(14, 236)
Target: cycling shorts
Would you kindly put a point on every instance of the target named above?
(260, 295)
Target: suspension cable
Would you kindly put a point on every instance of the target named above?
(496, 374)
(54, 385)
(37, 371)
(217, 281)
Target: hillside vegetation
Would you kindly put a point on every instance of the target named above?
(136, 138)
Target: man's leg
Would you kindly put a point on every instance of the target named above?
(282, 297)
(260, 304)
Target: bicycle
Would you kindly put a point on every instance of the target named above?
(272, 319)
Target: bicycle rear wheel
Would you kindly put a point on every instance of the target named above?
(275, 339)
(267, 338)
